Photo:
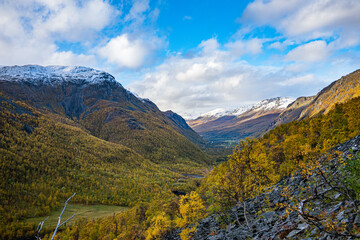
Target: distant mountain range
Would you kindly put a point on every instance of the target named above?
(228, 127)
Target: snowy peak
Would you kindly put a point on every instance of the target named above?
(218, 112)
(240, 110)
(54, 74)
(279, 103)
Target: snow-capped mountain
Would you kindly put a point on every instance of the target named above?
(278, 103)
(222, 125)
(54, 74)
(92, 97)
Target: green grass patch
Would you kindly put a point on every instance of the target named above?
(81, 211)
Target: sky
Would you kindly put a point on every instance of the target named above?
(191, 56)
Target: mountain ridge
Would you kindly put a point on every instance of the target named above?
(339, 91)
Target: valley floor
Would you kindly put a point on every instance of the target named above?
(90, 212)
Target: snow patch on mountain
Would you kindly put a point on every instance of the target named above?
(218, 112)
(54, 74)
(279, 103)
(240, 110)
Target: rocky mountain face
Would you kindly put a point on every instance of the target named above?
(180, 124)
(339, 91)
(269, 215)
(246, 121)
(96, 101)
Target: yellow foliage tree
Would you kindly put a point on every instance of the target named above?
(191, 209)
(160, 224)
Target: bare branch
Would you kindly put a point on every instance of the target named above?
(59, 221)
(67, 220)
(40, 226)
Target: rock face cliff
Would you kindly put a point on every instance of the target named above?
(269, 218)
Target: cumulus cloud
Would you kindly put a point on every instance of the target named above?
(125, 52)
(73, 22)
(137, 42)
(131, 51)
(31, 28)
(308, 19)
(211, 79)
(310, 52)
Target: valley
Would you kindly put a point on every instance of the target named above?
(131, 164)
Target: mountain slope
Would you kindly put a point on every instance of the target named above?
(247, 121)
(45, 158)
(98, 103)
(180, 124)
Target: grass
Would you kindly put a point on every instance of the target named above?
(81, 211)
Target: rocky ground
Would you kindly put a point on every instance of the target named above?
(298, 207)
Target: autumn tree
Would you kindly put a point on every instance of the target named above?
(160, 224)
(191, 209)
(248, 172)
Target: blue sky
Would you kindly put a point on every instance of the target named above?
(191, 56)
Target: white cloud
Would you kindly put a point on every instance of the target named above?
(72, 22)
(240, 47)
(209, 46)
(68, 58)
(310, 52)
(125, 52)
(130, 51)
(138, 42)
(137, 11)
(267, 12)
(308, 19)
(298, 80)
(31, 28)
(282, 45)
